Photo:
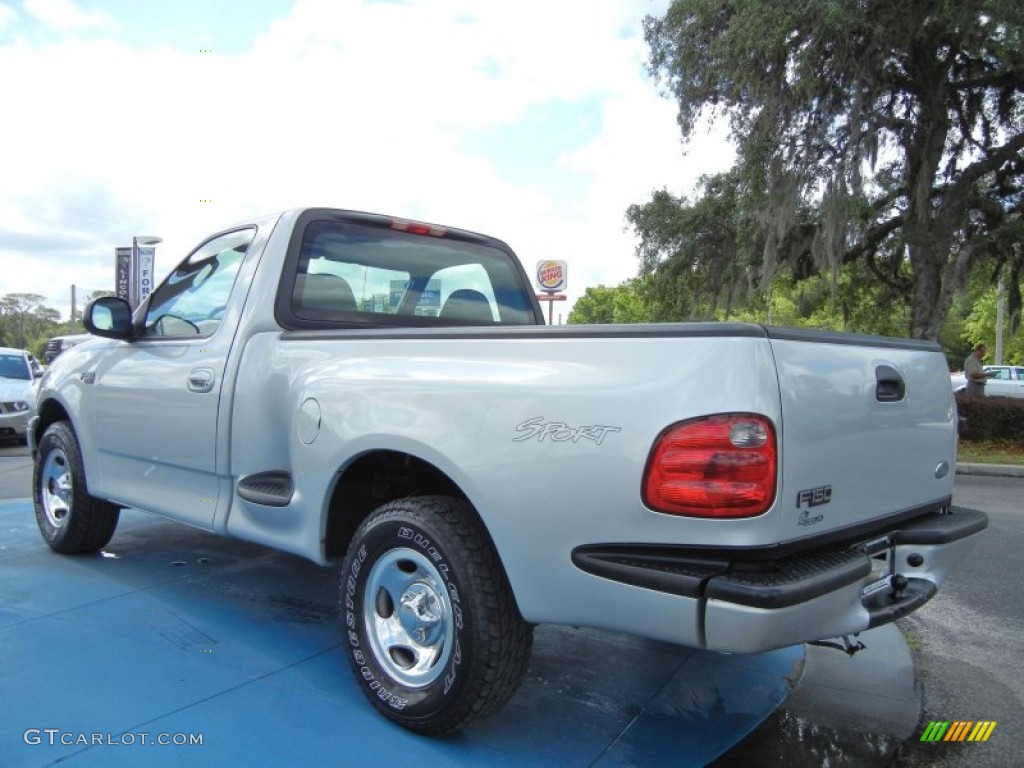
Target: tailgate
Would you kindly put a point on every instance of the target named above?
(868, 429)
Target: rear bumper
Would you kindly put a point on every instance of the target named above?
(829, 592)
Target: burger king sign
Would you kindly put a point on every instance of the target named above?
(551, 275)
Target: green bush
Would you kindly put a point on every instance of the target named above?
(991, 418)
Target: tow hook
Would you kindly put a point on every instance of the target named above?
(849, 648)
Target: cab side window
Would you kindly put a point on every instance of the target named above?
(193, 298)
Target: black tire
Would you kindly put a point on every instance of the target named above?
(72, 522)
(432, 630)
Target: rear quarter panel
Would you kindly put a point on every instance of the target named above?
(473, 405)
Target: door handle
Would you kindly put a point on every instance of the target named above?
(201, 379)
(889, 385)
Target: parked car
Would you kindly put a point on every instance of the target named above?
(1007, 382)
(382, 394)
(58, 344)
(19, 374)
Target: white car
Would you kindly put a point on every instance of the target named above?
(1008, 381)
(19, 374)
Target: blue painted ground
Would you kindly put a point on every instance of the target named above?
(178, 634)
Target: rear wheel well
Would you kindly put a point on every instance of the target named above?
(373, 480)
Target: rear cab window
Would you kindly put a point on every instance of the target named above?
(346, 268)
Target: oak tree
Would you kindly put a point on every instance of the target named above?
(897, 125)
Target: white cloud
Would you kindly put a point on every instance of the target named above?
(344, 104)
(65, 16)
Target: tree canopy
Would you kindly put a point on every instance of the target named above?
(26, 323)
(697, 255)
(883, 134)
(24, 318)
(624, 303)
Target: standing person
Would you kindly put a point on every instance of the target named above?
(975, 373)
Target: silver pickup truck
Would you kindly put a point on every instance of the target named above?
(380, 394)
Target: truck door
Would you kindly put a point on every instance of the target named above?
(155, 400)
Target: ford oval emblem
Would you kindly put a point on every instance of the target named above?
(942, 470)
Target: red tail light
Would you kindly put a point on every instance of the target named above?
(715, 466)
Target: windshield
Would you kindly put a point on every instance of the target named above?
(14, 367)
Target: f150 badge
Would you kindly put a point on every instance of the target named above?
(560, 432)
(812, 497)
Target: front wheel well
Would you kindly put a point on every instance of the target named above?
(375, 479)
(50, 412)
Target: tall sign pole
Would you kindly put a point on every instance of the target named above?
(141, 271)
(552, 277)
(123, 273)
(147, 256)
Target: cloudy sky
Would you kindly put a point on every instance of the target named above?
(530, 120)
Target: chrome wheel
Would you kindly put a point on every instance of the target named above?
(408, 618)
(57, 488)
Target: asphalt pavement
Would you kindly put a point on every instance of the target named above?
(965, 642)
(871, 709)
(15, 473)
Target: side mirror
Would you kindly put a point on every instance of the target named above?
(108, 316)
